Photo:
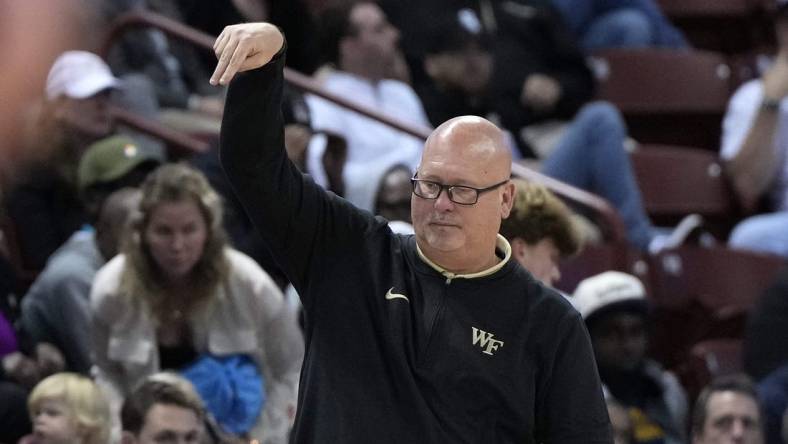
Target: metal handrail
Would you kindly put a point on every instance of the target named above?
(613, 224)
(174, 138)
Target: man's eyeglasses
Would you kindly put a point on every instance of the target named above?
(459, 194)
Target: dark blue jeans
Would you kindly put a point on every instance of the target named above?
(591, 156)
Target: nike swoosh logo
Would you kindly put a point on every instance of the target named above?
(390, 295)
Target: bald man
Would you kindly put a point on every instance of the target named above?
(434, 338)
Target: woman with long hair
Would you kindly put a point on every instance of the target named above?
(178, 294)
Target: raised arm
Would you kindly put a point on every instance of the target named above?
(305, 227)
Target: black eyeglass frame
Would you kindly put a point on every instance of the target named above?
(449, 189)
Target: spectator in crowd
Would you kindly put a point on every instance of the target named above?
(541, 231)
(68, 408)
(755, 149)
(178, 294)
(56, 308)
(362, 45)
(45, 204)
(614, 307)
(583, 146)
(727, 411)
(163, 407)
(409, 330)
(600, 24)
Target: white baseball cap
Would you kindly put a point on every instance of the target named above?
(79, 75)
(608, 290)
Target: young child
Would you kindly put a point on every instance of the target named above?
(68, 408)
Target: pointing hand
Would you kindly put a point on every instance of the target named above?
(244, 47)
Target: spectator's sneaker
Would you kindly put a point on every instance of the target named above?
(690, 225)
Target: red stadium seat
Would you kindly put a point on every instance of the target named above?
(728, 26)
(667, 96)
(676, 181)
(596, 259)
(704, 293)
(708, 360)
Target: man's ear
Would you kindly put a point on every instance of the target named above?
(127, 438)
(507, 199)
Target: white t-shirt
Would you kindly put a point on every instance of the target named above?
(369, 142)
(743, 107)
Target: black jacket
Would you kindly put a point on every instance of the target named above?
(493, 359)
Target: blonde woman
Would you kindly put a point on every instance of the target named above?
(68, 408)
(178, 292)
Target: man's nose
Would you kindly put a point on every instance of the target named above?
(443, 203)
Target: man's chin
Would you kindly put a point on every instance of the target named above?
(440, 241)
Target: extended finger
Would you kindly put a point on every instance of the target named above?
(224, 60)
(240, 54)
(220, 42)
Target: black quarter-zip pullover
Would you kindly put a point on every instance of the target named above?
(396, 351)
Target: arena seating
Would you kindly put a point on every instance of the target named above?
(744, 22)
(677, 180)
(700, 293)
(707, 360)
(667, 96)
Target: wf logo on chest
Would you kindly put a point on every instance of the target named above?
(485, 341)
